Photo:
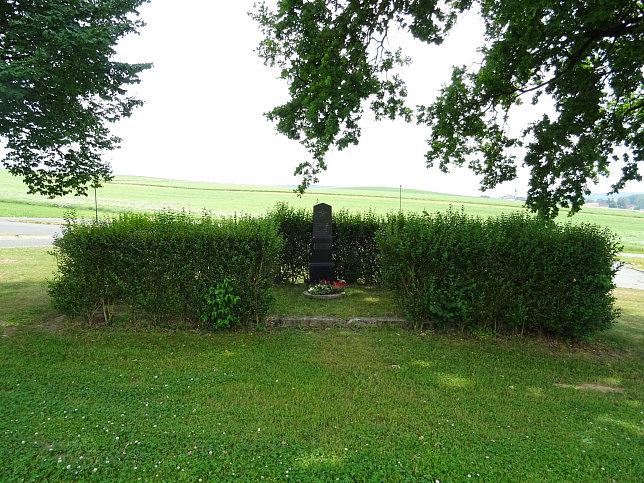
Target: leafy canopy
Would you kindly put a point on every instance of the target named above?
(59, 87)
(585, 55)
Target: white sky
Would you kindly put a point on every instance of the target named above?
(207, 92)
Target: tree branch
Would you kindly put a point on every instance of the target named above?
(633, 108)
(614, 30)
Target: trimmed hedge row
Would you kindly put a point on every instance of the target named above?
(355, 246)
(295, 227)
(511, 274)
(163, 266)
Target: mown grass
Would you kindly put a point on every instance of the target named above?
(628, 334)
(382, 404)
(23, 294)
(359, 300)
(130, 193)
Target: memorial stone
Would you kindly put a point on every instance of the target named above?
(321, 266)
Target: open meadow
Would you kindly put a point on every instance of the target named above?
(382, 403)
(136, 194)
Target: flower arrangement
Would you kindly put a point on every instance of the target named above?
(325, 287)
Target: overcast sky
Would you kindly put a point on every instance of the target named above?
(207, 92)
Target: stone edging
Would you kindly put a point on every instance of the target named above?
(329, 296)
(329, 321)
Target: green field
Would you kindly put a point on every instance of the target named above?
(129, 193)
(339, 404)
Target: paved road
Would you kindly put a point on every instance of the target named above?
(16, 233)
(630, 278)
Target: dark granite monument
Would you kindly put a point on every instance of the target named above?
(322, 266)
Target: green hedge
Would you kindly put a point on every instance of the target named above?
(295, 227)
(512, 274)
(355, 248)
(162, 266)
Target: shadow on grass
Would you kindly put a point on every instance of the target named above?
(628, 332)
(360, 301)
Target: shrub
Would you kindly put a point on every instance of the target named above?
(295, 227)
(220, 303)
(85, 282)
(355, 248)
(509, 274)
(163, 265)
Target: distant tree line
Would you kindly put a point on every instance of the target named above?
(626, 201)
(636, 201)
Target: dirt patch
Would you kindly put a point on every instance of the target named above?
(55, 325)
(6, 330)
(592, 387)
(7, 260)
(599, 388)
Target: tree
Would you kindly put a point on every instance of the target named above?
(636, 200)
(585, 55)
(59, 87)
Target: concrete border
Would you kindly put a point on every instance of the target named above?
(309, 321)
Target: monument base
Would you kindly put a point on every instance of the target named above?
(330, 296)
(321, 271)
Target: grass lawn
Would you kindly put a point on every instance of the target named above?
(375, 404)
(359, 301)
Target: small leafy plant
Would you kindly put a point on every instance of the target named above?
(325, 287)
(220, 302)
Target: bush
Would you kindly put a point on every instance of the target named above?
(163, 265)
(220, 303)
(85, 282)
(355, 248)
(511, 274)
(295, 227)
